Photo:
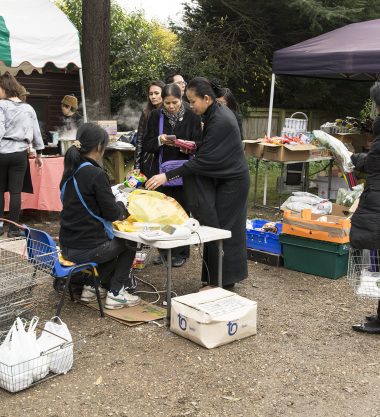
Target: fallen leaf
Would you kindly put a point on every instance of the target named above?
(231, 398)
(99, 381)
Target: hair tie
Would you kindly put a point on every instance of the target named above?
(77, 144)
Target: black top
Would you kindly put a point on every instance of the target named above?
(220, 154)
(72, 122)
(189, 128)
(80, 230)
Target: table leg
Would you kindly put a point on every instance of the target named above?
(329, 179)
(220, 263)
(119, 167)
(168, 285)
(265, 183)
(256, 179)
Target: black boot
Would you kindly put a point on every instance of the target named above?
(372, 327)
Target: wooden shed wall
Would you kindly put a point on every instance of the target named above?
(46, 92)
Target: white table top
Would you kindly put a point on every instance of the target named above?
(203, 234)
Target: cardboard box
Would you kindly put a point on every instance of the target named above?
(283, 153)
(286, 153)
(336, 183)
(110, 126)
(253, 148)
(214, 317)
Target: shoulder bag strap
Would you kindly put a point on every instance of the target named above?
(106, 223)
(160, 132)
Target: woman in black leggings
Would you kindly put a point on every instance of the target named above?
(18, 129)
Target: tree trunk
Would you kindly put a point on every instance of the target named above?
(96, 57)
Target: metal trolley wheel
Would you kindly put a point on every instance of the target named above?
(364, 272)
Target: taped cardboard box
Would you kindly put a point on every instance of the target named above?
(253, 148)
(214, 317)
(286, 153)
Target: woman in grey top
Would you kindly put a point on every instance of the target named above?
(18, 129)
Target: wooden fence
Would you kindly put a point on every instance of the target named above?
(255, 122)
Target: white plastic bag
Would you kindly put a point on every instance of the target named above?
(55, 343)
(17, 353)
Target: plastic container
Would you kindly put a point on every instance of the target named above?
(335, 229)
(325, 259)
(263, 241)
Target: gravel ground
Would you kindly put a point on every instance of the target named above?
(304, 361)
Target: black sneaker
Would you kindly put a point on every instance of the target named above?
(177, 262)
(372, 327)
(15, 233)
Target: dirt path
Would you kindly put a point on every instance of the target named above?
(305, 360)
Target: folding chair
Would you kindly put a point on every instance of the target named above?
(43, 250)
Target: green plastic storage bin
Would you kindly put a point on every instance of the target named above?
(325, 259)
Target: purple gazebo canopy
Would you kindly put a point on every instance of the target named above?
(352, 51)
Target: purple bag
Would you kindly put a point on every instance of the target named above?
(164, 167)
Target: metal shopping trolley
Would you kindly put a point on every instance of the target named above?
(364, 272)
(24, 263)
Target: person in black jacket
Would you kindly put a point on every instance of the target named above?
(228, 99)
(184, 124)
(365, 222)
(216, 183)
(86, 231)
(144, 161)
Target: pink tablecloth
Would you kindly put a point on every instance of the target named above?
(45, 185)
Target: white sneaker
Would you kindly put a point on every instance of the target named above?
(89, 293)
(123, 299)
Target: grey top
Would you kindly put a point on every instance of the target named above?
(18, 121)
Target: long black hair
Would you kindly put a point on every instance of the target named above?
(203, 87)
(149, 107)
(89, 137)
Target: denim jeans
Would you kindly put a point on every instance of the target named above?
(114, 258)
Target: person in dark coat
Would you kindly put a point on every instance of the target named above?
(144, 162)
(216, 183)
(184, 124)
(228, 99)
(365, 222)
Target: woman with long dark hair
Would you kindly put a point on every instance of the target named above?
(144, 161)
(89, 207)
(18, 130)
(174, 119)
(216, 183)
(228, 99)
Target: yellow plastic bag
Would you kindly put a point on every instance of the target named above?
(154, 207)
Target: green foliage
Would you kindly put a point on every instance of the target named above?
(140, 51)
(234, 40)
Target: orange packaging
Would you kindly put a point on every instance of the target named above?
(329, 228)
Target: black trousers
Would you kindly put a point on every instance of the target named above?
(12, 173)
(114, 259)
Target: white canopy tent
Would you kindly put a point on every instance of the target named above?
(35, 32)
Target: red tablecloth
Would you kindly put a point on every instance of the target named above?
(45, 186)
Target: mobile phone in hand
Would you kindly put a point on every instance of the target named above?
(172, 138)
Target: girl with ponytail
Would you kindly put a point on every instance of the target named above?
(89, 208)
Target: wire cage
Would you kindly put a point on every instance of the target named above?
(56, 360)
(24, 263)
(144, 257)
(364, 272)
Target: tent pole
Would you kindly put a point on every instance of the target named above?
(271, 105)
(82, 95)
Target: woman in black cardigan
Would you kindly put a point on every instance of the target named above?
(216, 183)
(184, 124)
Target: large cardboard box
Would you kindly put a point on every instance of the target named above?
(213, 317)
(253, 148)
(286, 153)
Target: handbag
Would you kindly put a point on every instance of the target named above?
(164, 167)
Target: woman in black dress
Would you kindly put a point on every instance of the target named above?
(216, 183)
(184, 124)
